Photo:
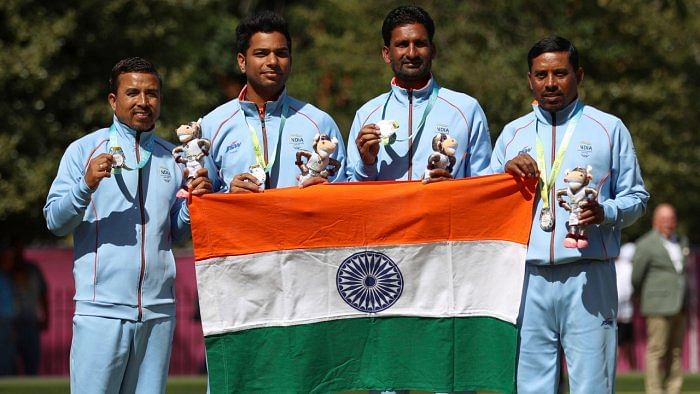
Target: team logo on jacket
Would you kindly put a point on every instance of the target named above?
(585, 148)
(233, 147)
(369, 281)
(442, 128)
(165, 174)
(526, 149)
(296, 140)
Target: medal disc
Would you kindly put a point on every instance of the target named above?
(546, 220)
(259, 173)
(118, 156)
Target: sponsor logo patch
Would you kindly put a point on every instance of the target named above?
(526, 149)
(233, 147)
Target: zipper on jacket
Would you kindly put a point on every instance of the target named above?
(553, 192)
(263, 129)
(142, 273)
(410, 133)
(261, 114)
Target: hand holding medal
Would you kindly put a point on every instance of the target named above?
(524, 166)
(252, 181)
(259, 174)
(100, 167)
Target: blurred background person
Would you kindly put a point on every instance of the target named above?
(625, 308)
(659, 277)
(7, 310)
(31, 309)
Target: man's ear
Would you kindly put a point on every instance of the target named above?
(529, 81)
(385, 55)
(112, 98)
(241, 61)
(579, 75)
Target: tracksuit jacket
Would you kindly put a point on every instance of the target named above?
(599, 140)
(232, 150)
(122, 231)
(453, 113)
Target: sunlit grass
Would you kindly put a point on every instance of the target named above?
(626, 383)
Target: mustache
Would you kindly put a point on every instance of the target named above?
(416, 61)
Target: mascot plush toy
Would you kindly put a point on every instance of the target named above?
(193, 149)
(319, 163)
(445, 148)
(577, 193)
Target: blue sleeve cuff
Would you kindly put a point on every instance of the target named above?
(185, 212)
(364, 172)
(82, 194)
(610, 214)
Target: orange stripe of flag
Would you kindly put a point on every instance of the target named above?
(493, 207)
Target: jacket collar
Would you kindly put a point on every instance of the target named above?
(125, 131)
(562, 116)
(417, 95)
(674, 237)
(271, 107)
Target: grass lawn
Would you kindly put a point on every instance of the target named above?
(627, 383)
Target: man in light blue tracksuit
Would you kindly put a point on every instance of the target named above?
(421, 109)
(425, 114)
(570, 295)
(261, 131)
(116, 192)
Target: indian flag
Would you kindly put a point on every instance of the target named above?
(380, 285)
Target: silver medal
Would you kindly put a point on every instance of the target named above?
(260, 174)
(546, 220)
(118, 156)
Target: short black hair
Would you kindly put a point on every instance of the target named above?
(265, 22)
(131, 65)
(553, 44)
(406, 15)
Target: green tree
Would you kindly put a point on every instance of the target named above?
(55, 65)
(642, 63)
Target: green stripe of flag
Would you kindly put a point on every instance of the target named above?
(478, 353)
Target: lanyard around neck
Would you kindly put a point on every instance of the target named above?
(114, 146)
(259, 155)
(428, 108)
(547, 182)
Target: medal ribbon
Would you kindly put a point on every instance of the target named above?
(259, 155)
(144, 149)
(547, 182)
(428, 108)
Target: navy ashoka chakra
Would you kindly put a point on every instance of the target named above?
(369, 281)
